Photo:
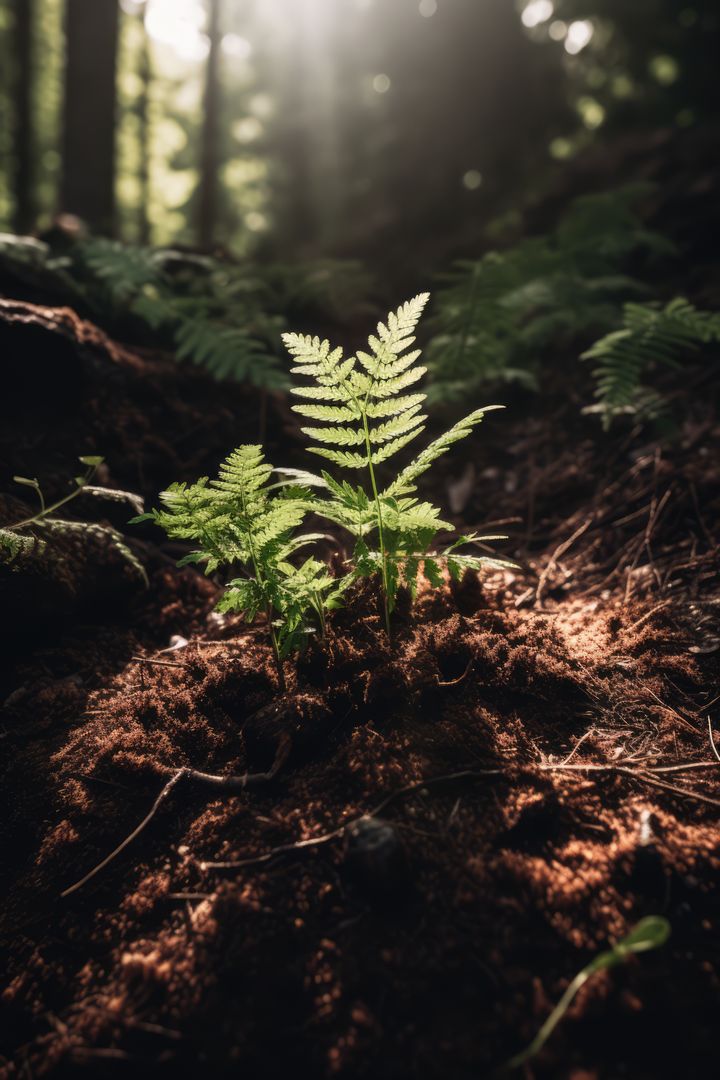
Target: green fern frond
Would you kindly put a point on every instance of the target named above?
(228, 352)
(240, 517)
(405, 481)
(650, 335)
(370, 412)
(496, 314)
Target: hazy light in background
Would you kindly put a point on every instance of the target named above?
(179, 24)
(472, 180)
(247, 130)
(557, 30)
(239, 48)
(536, 12)
(132, 7)
(561, 148)
(665, 70)
(256, 222)
(579, 34)
(262, 105)
(381, 84)
(591, 111)
(428, 8)
(622, 86)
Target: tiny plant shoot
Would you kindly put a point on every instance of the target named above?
(650, 933)
(366, 416)
(241, 518)
(44, 523)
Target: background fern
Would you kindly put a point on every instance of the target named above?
(651, 335)
(495, 315)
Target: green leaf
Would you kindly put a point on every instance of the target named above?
(650, 933)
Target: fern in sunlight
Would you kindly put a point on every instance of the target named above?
(365, 416)
(240, 518)
(650, 335)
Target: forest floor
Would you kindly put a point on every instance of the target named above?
(535, 749)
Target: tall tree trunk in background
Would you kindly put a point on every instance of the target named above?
(23, 180)
(143, 111)
(88, 177)
(210, 152)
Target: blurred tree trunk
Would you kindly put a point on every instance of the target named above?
(23, 181)
(143, 111)
(210, 154)
(88, 177)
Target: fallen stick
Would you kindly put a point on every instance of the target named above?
(225, 784)
(325, 838)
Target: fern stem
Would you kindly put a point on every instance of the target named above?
(45, 511)
(276, 650)
(381, 536)
(268, 609)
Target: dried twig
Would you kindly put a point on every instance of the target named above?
(223, 784)
(156, 663)
(325, 838)
(455, 682)
(559, 551)
(712, 740)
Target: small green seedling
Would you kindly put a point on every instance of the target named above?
(366, 419)
(15, 541)
(650, 933)
(241, 518)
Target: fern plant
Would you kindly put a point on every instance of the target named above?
(241, 518)
(24, 538)
(650, 335)
(496, 314)
(365, 417)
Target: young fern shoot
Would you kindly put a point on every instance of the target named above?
(367, 417)
(241, 518)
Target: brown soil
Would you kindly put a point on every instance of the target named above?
(433, 947)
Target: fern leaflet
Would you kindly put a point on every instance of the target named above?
(366, 418)
(650, 335)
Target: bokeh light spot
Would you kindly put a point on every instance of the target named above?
(561, 148)
(536, 12)
(579, 34)
(381, 84)
(665, 70)
(239, 48)
(472, 180)
(591, 111)
(428, 8)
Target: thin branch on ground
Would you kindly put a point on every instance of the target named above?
(334, 834)
(156, 663)
(455, 682)
(224, 784)
(712, 740)
(559, 551)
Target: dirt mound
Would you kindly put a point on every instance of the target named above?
(523, 820)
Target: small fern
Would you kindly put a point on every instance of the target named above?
(29, 536)
(228, 352)
(366, 417)
(650, 335)
(241, 518)
(496, 314)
